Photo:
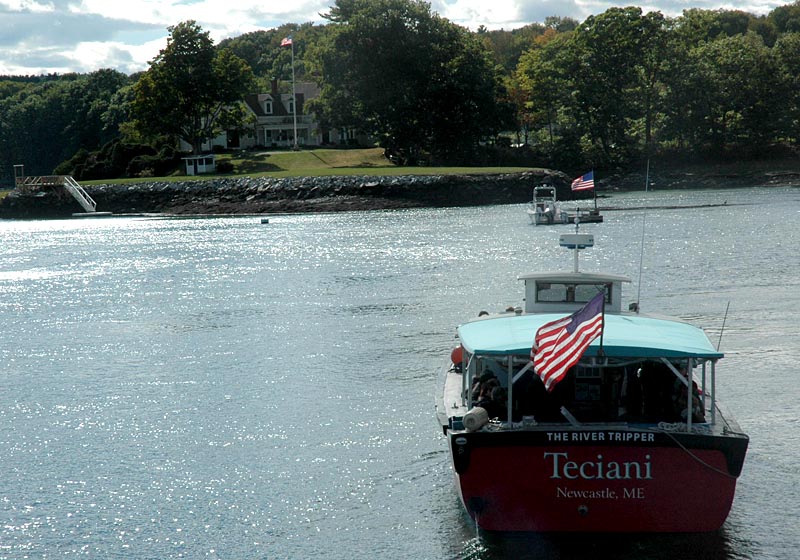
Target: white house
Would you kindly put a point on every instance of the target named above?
(275, 123)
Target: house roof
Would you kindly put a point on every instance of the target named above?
(279, 106)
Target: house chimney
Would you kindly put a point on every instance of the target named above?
(274, 84)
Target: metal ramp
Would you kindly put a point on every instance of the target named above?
(37, 184)
(79, 194)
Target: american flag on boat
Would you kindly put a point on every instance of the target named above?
(584, 182)
(559, 344)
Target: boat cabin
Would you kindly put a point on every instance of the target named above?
(559, 292)
(569, 291)
(635, 372)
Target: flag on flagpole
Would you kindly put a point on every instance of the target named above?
(559, 344)
(286, 41)
(584, 182)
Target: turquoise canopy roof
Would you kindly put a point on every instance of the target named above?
(624, 336)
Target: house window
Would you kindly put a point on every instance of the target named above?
(291, 106)
(268, 107)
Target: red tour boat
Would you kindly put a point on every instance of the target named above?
(608, 423)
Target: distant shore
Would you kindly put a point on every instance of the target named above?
(266, 195)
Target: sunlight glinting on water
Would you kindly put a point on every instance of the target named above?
(224, 388)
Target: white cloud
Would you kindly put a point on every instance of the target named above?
(27, 6)
(84, 35)
(493, 14)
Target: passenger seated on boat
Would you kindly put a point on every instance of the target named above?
(679, 398)
(532, 399)
(495, 402)
(485, 390)
(478, 384)
(656, 384)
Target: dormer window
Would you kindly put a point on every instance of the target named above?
(291, 106)
(268, 107)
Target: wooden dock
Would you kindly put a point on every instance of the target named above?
(59, 183)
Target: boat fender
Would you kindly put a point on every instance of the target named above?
(475, 419)
(457, 355)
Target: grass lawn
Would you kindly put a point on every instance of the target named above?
(368, 161)
(315, 163)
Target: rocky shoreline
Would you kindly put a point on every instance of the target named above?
(267, 195)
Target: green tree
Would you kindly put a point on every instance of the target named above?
(191, 90)
(786, 18)
(422, 85)
(51, 118)
(652, 69)
(561, 24)
(613, 79)
(543, 76)
(508, 46)
(787, 53)
(734, 95)
(268, 60)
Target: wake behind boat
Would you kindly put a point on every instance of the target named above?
(610, 424)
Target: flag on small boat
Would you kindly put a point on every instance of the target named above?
(286, 41)
(584, 182)
(559, 344)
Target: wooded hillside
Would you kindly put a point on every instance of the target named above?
(604, 92)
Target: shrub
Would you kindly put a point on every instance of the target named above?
(225, 166)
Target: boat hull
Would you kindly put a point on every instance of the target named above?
(596, 481)
(538, 218)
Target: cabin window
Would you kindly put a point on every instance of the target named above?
(587, 384)
(563, 292)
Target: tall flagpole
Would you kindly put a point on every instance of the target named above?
(294, 100)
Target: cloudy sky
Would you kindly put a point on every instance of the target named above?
(43, 36)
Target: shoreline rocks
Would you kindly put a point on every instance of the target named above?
(269, 195)
(263, 195)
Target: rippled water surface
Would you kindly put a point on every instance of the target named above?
(222, 388)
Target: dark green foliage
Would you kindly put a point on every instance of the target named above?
(625, 85)
(617, 87)
(45, 121)
(421, 85)
(224, 166)
(263, 53)
(191, 91)
(786, 18)
(120, 159)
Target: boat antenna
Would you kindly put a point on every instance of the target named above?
(722, 330)
(641, 252)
